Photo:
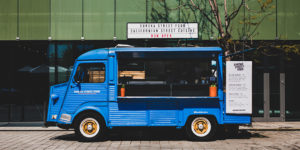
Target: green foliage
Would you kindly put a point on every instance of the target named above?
(256, 13)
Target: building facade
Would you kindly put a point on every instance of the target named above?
(40, 39)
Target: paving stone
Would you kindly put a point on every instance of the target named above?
(260, 136)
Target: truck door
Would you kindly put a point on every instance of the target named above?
(89, 84)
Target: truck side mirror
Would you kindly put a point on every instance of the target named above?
(77, 77)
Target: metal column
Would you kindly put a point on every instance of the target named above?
(282, 96)
(267, 117)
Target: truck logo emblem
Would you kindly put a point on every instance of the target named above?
(87, 92)
(200, 112)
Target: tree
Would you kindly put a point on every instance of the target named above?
(223, 24)
(220, 16)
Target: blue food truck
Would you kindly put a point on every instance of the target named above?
(131, 86)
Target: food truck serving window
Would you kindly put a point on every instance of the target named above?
(90, 73)
(167, 77)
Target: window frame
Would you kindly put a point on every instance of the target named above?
(90, 62)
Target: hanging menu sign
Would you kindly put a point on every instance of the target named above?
(162, 30)
(239, 87)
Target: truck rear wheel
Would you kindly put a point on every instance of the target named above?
(89, 127)
(201, 128)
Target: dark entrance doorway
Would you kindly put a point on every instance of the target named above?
(24, 80)
(269, 90)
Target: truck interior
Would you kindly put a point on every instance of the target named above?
(167, 75)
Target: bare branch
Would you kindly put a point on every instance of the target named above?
(178, 7)
(257, 25)
(226, 17)
(234, 13)
(204, 14)
(214, 8)
(232, 16)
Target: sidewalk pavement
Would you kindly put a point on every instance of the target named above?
(281, 126)
(259, 126)
(261, 135)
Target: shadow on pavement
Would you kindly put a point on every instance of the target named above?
(155, 134)
(29, 130)
(21, 124)
(245, 134)
(279, 129)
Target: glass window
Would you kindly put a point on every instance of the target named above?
(90, 73)
(167, 77)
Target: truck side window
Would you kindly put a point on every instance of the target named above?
(90, 73)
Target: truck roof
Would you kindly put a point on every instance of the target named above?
(142, 52)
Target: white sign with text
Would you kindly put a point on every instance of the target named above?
(162, 30)
(239, 87)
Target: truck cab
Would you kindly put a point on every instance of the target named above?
(163, 87)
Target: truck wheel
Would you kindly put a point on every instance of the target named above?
(201, 128)
(89, 127)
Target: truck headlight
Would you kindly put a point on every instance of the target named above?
(65, 117)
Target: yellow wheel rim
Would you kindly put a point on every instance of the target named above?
(89, 127)
(201, 126)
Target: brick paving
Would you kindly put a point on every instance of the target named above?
(260, 136)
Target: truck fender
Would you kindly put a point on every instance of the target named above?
(100, 108)
(215, 115)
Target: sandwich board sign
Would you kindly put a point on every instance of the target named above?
(239, 87)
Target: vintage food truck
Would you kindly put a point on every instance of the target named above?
(118, 87)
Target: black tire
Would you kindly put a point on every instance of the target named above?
(201, 128)
(89, 127)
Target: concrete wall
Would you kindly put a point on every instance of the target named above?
(102, 20)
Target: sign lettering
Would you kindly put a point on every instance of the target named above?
(161, 30)
(239, 87)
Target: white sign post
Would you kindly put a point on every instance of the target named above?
(239, 87)
(162, 30)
